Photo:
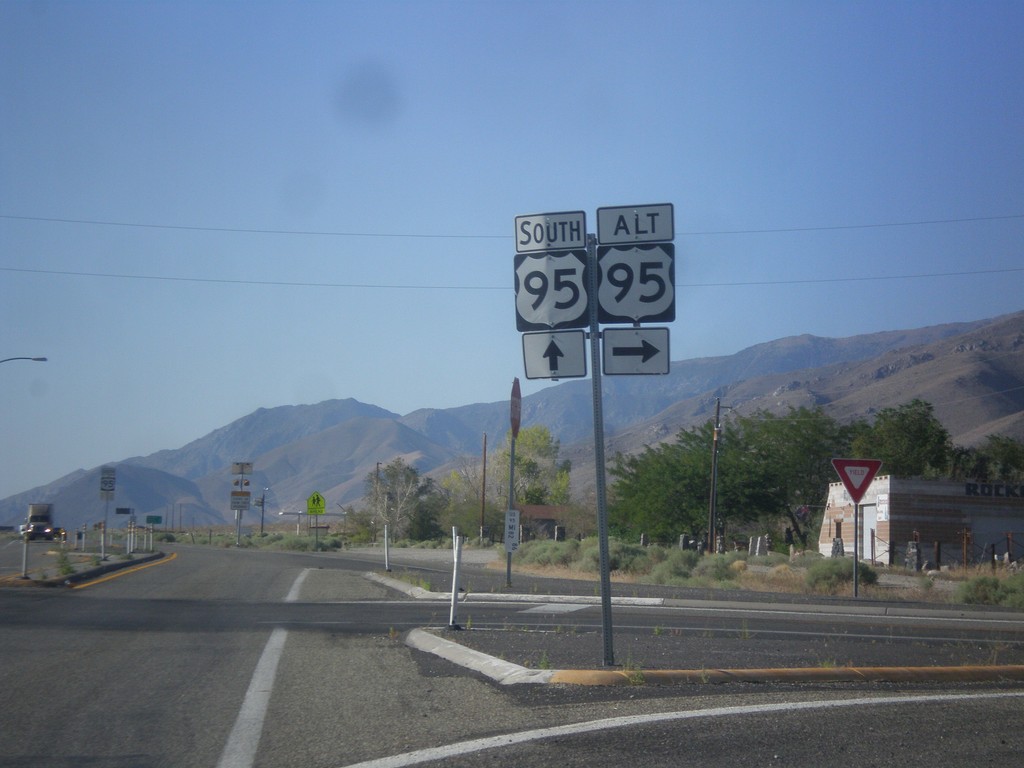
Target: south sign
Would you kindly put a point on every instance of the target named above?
(551, 232)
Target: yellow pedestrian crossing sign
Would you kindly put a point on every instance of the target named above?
(315, 504)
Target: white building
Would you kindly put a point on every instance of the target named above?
(948, 521)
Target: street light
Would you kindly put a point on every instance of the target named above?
(34, 359)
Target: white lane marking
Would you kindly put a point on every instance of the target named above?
(293, 593)
(495, 742)
(244, 739)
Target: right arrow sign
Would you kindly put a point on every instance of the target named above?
(856, 475)
(635, 351)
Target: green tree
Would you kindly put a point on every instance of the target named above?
(794, 460)
(998, 458)
(424, 524)
(395, 492)
(540, 477)
(462, 510)
(909, 440)
(1005, 456)
(768, 467)
(664, 490)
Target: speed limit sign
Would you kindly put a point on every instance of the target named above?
(551, 290)
(636, 283)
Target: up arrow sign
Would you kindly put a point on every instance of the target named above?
(552, 353)
(555, 355)
(856, 475)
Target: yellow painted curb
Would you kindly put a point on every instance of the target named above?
(814, 674)
(122, 572)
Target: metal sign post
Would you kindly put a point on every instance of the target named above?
(602, 501)
(316, 507)
(107, 482)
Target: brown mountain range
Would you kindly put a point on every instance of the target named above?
(972, 373)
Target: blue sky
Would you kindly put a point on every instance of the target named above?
(208, 208)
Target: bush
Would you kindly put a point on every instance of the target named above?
(990, 590)
(830, 574)
(676, 566)
(717, 567)
(549, 552)
(807, 558)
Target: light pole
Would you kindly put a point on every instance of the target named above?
(34, 359)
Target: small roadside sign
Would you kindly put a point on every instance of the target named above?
(856, 475)
(511, 530)
(635, 224)
(555, 355)
(107, 480)
(240, 501)
(315, 504)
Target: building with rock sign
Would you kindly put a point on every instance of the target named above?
(921, 523)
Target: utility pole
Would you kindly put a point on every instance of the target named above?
(483, 491)
(713, 503)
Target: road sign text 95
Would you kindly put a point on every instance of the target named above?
(637, 283)
(551, 290)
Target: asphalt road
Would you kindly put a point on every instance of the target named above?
(245, 658)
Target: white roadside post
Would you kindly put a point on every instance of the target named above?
(457, 556)
(24, 551)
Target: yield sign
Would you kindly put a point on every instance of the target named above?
(856, 475)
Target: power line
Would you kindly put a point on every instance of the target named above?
(243, 230)
(859, 278)
(398, 286)
(422, 235)
(233, 281)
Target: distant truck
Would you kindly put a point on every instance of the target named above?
(40, 523)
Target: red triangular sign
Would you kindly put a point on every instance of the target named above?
(856, 475)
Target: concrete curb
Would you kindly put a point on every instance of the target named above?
(791, 675)
(502, 672)
(891, 611)
(81, 574)
(102, 570)
(506, 673)
(500, 597)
